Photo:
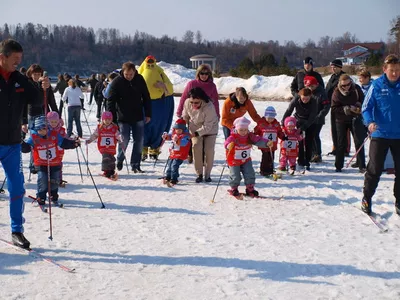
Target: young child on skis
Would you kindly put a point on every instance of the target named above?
(56, 124)
(270, 129)
(178, 152)
(46, 146)
(107, 135)
(289, 145)
(238, 155)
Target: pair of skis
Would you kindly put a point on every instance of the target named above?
(243, 196)
(37, 255)
(43, 207)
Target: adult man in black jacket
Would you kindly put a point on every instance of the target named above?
(336, 66)
(130, 104)
(15, 92)
(305, 107)
(298, 80)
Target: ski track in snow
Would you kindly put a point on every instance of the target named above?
(156, 242)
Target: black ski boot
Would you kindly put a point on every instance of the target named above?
(366, 206)
(18, 239)
(120, 164)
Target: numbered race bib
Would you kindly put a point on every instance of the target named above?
(242, 153)
(50, 153)
(107, 141)
(271, 136)
(289, 144)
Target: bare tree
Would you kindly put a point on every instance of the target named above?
(199, 37)
(188, 37)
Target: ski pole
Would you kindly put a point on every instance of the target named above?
(95, 186)
(2, 186)
(164, 168)
(79, 164)
(87, 158)
(48, 159)
(359, 149)
(216, 189)
(87, 123)
(121, 144)
(159, 147)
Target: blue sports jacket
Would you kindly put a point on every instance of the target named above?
(382, 106)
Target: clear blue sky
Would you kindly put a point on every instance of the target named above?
(259, 20)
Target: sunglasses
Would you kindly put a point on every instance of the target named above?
(204, 73)
(346, 85)
(150, 61)
(195, 102)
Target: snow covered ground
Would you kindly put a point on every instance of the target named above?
(155, 242)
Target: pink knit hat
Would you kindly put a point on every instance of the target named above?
(106, 115)
(52, 115)
(241, 123)
(290, 121)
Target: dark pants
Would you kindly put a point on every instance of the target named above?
(60, 109)
(226, 131)
(74, 114)
(378, 150)
(172, 172)
(317, 148)
(305, 147)
(99, 107)
(137, 130)
(335, 137)
(91, 96)
(108, 162)
(267, 163)
(357, 129)
(333, 131)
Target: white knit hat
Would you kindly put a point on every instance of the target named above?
(241, 123)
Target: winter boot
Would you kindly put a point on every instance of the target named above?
(199, 178)
(366, 206)
(137, 170)
(145, 153)
(18, 239)
(354, 165)
(250, 191)
(120, 164)
(40, 201)
(234, 191)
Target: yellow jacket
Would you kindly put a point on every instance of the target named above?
(154, 75)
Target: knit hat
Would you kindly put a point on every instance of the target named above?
(52, 115)
(106, 115)
(180, 124)
(308, 60)
(310, 80)
(40, 123)
(241, 123)
(290, 121)
(337, 63)
(270, 112)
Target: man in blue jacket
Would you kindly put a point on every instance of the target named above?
(15, 92)
(381, 112)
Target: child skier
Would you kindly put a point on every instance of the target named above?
(270, 129)
(289, 145)
(46, 152)
(107, 135)
(56, 124)
(238, 156)
(179, 150)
